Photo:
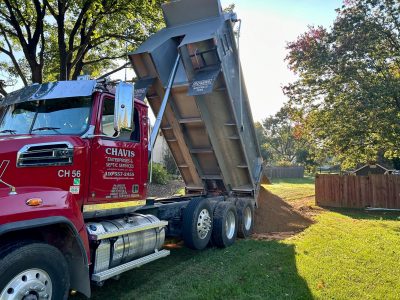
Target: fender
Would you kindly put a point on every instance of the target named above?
(42, 222)
(58, 208)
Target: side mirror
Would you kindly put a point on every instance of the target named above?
(124, 105)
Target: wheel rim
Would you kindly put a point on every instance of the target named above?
(32, 284)
(203, 224)
(230, 225)
(248, 218)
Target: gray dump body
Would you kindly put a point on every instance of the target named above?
(207, 124)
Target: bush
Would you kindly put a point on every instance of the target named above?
(169, 163)
(160, 174)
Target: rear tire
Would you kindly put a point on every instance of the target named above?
(197, 224)
(245, 211)
(33, 269)
(225, 225)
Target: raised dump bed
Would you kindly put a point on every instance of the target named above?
(207, 122)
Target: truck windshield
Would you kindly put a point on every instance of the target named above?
(47, 117)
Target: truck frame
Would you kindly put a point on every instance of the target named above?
(74, 161)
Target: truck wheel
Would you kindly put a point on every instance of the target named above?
(32, 272)
(245, 211)
(197, 224)
(224, 225)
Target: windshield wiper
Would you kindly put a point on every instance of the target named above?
(46, 128)
(8, 131)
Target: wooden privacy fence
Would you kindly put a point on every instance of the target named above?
(285, 172)
(380, 191)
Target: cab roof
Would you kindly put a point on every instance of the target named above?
(51, 90)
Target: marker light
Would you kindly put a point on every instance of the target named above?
(34, 202)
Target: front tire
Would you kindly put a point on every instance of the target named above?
(197, 224)
(33, 271)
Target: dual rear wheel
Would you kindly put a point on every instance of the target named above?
(219, 226)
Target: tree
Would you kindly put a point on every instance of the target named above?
(281, 140)
(61, 39)
(348, 91)
(262, 142)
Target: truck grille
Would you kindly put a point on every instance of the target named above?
(48, 154)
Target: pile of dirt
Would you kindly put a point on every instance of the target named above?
(276, 219)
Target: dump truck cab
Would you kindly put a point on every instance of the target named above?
(63, 135)
(70, 152)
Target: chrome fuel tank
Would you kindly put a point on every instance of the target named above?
(125, 247)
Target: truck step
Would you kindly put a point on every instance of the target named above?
(107, 274)
(110, 234)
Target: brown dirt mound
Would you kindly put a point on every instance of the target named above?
(276, 219)
(264, 179)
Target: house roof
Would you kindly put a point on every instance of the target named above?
(368, 165)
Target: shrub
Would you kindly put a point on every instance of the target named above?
(160, 174)
(169, 163)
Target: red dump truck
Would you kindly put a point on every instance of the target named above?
(74, 161)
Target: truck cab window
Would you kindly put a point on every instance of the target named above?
(69, 116)
(107, 123)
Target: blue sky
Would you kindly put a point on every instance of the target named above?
(315, 11)
(267, 26)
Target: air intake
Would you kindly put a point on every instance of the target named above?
(48, 154)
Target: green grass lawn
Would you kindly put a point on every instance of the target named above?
(346, 254)
(292, 189)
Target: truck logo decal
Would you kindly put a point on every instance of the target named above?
(3, 167)
(120, 152)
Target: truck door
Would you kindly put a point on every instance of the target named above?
(115, 160)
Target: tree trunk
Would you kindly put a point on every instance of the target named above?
(62, 47)
(78, 68)
(37, 73)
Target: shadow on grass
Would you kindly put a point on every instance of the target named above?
(362, 214)
(248, 269)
